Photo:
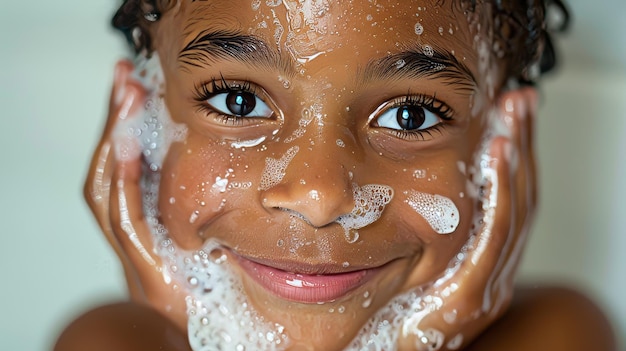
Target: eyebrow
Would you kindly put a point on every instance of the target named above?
(415, 64)
(211, 46)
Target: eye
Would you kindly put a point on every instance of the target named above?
(239, 103)
(408, 118)
(412, 117)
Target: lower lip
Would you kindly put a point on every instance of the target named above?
(304, 288)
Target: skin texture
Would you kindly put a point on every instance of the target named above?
(325, 67)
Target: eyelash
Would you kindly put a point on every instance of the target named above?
(427, 102)
(202, 93)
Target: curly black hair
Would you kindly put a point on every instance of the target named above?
(515, 24)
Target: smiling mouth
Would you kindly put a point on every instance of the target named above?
(307, 288)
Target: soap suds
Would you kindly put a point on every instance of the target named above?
(219, 315)
(439, 211)
(369, 204)
(274, 170)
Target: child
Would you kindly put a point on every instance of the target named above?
(326, 175)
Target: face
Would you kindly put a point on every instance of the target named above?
(322, 175)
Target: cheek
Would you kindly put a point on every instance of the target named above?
(434, 202)
(199, 180)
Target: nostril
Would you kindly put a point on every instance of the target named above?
(316, 207)
(296, 215)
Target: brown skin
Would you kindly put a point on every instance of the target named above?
(330, 83)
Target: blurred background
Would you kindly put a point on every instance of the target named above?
(56, 68)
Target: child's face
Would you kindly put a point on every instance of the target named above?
(332, 157)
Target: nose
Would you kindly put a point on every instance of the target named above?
(315, 184)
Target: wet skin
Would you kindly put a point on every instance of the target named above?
(346, 71)
(342, 88)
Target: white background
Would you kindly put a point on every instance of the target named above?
(56, 67)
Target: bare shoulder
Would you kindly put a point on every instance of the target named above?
(123, 326)
(549, 319)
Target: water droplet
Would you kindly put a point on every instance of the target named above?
(352, 235)
(341, 309)
(455, 342)
(193, 217)
(450, 317)
(419, 173)
(151, 16)
(419, 29)
(345, 264)
(273, 3)
(366, 303)
(428, 50)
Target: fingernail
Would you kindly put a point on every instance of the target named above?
(119, 81)
(125, 105)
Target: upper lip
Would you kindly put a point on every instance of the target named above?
(298, 267)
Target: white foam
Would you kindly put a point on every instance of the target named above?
(153, 128)
(274, 170)
(439, 211)
(219, 315)
(369, 204)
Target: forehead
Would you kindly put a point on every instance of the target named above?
(327, 32)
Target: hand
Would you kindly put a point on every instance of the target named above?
(453, 311)
(113, 192)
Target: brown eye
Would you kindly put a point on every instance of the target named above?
(407, 117)
(410, 117)
(240, 103)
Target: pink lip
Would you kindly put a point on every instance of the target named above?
(305, 288)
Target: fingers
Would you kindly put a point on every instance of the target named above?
(519, 107)
(112, 188)
(98, 180)
(124, 96)
(466, 296)
(481, 287)
(128, 222)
